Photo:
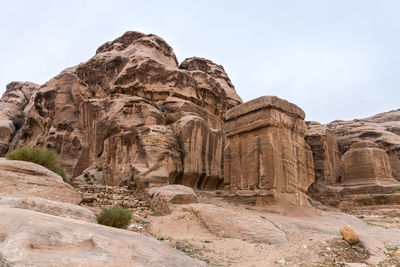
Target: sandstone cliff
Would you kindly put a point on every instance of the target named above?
(134, 113)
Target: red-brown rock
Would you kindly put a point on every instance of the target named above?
(266, 152)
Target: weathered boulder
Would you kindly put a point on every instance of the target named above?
(365, 163)
(163, 197)
(110, 113)
(266, 153)
(29, 238)
(42, 205)
(14, 100)
(27, 179)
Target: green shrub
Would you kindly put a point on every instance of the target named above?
(169, 119)
(115, 217)
(18, 120)
(42, 156)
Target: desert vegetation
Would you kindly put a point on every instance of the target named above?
(43, 156)
(115, 216)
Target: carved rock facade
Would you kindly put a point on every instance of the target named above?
(266, 154)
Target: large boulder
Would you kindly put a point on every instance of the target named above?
(42, 205)
(27, 179)
(29, 238)
(111, 113)
(163, 198)
(266, 153)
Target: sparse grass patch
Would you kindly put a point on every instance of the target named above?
(46, 157)
(115, 216)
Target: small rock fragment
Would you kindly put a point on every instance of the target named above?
(349, 235)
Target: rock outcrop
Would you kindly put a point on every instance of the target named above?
(216, 71)
(382, 129)
(365, 163)
(325, 155)
(137, 115)
(266, 153)
(26, 179)
(359, 179)
(163, 198)
(46, 206)
(29, 238)
(14, 100)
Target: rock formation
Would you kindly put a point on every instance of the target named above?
(14, 100)
(382, 129)
(132, 116)
(266, 153)
(365, 163)
(26, 179)
(325, 155)
(132, 112)
(46, 240)
(351, 173)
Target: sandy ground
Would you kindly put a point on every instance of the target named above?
(304, 247)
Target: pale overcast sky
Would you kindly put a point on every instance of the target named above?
(336, 59)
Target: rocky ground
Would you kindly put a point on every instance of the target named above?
(296, 242)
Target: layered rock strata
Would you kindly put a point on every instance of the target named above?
(382, 129)
(325, 154)
(365, 163)
(266, 154)
(359, 179)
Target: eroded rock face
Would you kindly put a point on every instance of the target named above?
(325, 155)
(382, 129)
(200, 138)
(14, 100)
(216, 71)
(26, 179)
(29, 238)
(113, 113)
(365, 163)
(266, 152)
